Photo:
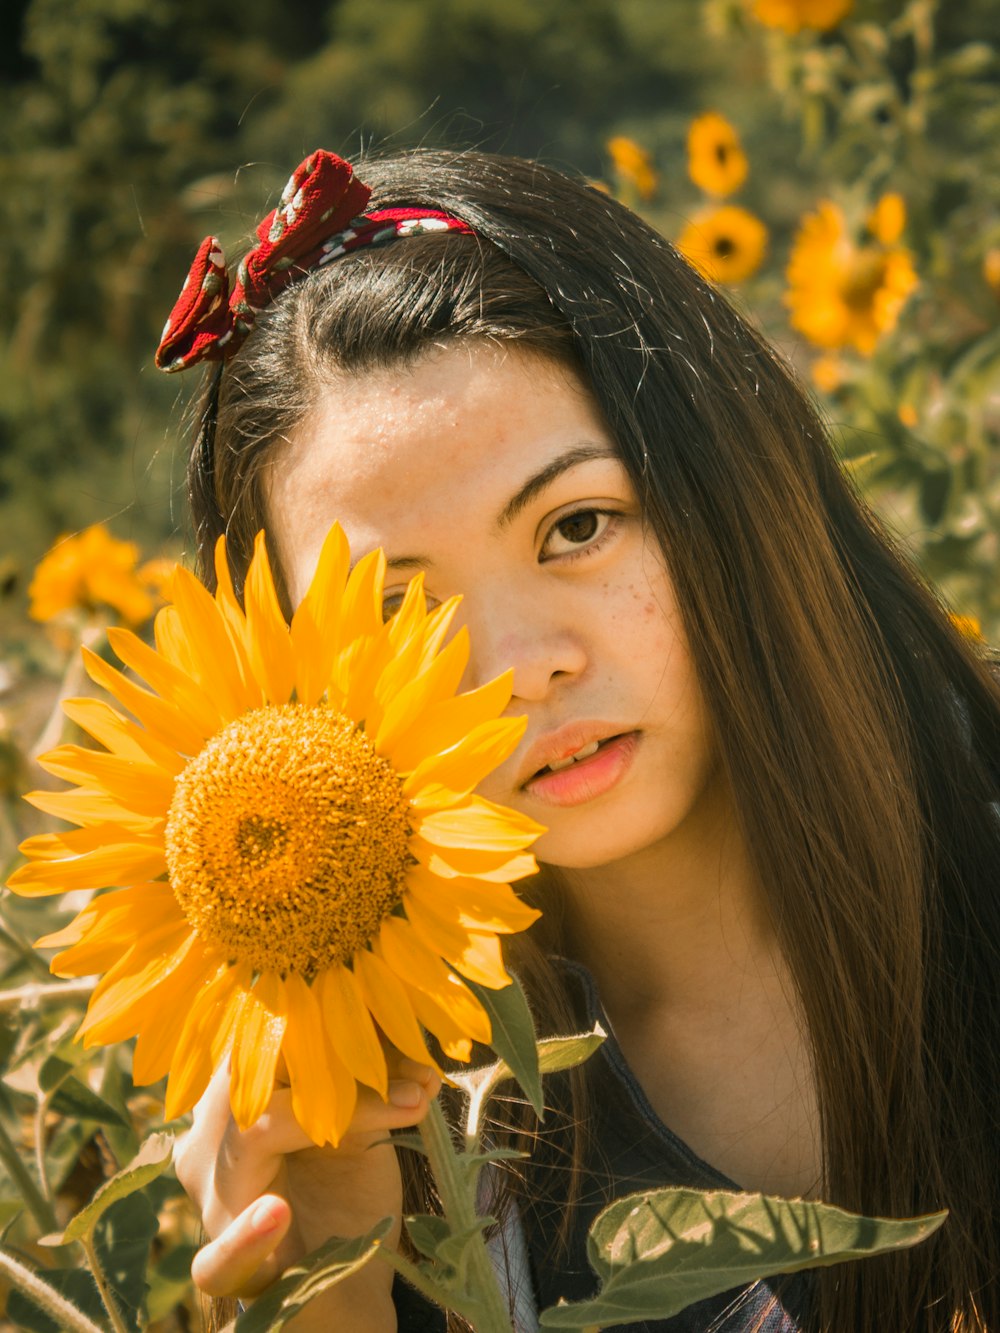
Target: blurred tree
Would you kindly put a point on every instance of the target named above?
(121, 126)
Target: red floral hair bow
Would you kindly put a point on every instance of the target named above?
(319, 217)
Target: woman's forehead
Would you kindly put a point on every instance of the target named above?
(463, 418)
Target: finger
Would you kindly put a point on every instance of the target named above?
(196, 1151)
(405, 1068)
(241, 1261)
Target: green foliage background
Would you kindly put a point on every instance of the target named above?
(129, 129)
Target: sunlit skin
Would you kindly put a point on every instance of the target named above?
(492, 472)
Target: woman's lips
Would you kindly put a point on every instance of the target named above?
(586, 779)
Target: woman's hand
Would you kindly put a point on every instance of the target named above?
(268, 1195)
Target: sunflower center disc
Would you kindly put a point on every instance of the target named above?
(287, 839)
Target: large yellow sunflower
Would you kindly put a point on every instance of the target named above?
(842, 292)
(716, 161)
(294, 818)
(794, 15)
(724, 244)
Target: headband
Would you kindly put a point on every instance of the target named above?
(319, 217)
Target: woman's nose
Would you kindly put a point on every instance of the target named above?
(544, 650)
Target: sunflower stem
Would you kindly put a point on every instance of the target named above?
(110, 1304)
(40, 1208)
(28, 997)
(454, 1186)
(72, 683)
(65, 1314)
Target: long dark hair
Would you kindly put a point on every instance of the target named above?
(859, 732)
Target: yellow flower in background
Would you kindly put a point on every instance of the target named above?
(908, 416)
(969, 626)
(827, 373)
(887, 220)
(716, 161)
(991, 271)
(294, 825)
(794, 15)
(842, 293)
(156, 575)
(634, 165)
(88, 571)
(725, 244)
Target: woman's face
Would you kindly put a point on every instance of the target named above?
(491, 470)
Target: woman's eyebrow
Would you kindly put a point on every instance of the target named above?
(535, 484)
(538, 481)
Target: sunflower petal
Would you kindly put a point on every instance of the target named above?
(315, 628)
(269, 643)
(422, 969)
(383, 993)
(479, 825)
(443, 780)
(123, 738)
(142, 789)
(473, 903)
(361, 610)
(473, 953)
(109, 864)
(129, 992)
(157, 1039)
(413, 697)
(195, 1054)
(435, 629)
(323, 1092)
(225, 600)
(451, 1031)
(162, 718)
(456, 862)
(260, 1029)
(109, 928)
(167, 680)
(89, 808)
(173, 644)
(444, 724)
(215, 655)
(350, 1028)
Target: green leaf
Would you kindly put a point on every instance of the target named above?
(75, 1284)
(451, 1250)
(427, 1232)
(514, 1038)
(75, 1099)
(555, 1053)
(657, 1253)
(319, 1271)
(122, 1240)
(151, 1159)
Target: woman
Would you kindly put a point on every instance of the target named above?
(777, 868)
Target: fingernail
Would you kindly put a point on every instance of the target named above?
(263, 1218)
(404, 1094)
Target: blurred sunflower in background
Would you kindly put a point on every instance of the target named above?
(792, 16)
(293, 818)
(726, 244)
(844, 292)
(633, 165)
(716, 161)
(92, 571)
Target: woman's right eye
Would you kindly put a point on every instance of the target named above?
(391, 603)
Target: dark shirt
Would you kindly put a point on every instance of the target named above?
(631, 1150)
